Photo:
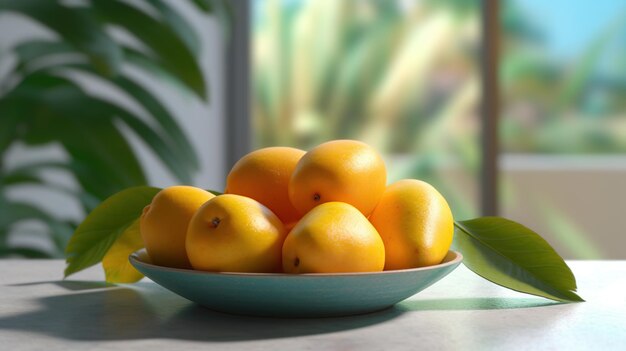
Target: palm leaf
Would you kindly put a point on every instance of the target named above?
(38, 106)
(178, 24)
(156, 67)
(38, 50)
(104, 54)
(31, 174)
(182, 146)
(158, 37)
(205, 5)
(163, 150)
(28, 252)
(102, 149)
(10, 121)
(73, 102)
(49, 106)
(14, 212)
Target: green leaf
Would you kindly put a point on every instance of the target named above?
(174, 136)
(37, 48)
(117, 268)
(17, 178)
(178, 24)
(511, 255)
(185, 152)
(38, 53)
(166, 152)
(222, 9)
(103, 52)
(60, 231)
(156, 67)
(159, 38)
(35, 54)
(17, 211)
(207, 6)
(96, 234)
(99, 147)
(10, 121)
(216, 193)
(57, 110)
(30, 174)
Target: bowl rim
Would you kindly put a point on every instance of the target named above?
(135, 259)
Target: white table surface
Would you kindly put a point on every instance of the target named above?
(39, 311)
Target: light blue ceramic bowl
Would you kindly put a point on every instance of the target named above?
(291, 295)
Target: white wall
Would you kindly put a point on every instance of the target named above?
(202, 122)
(574, 202)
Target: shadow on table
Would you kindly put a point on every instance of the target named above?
(74, 285)
(472, 303)
(145, 311)
(99, 311)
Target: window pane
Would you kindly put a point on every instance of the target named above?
(563, 127)
(399, 75)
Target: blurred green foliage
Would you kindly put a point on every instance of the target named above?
(404, 77)
(561, 106)
(401, 77)
(42, 103)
